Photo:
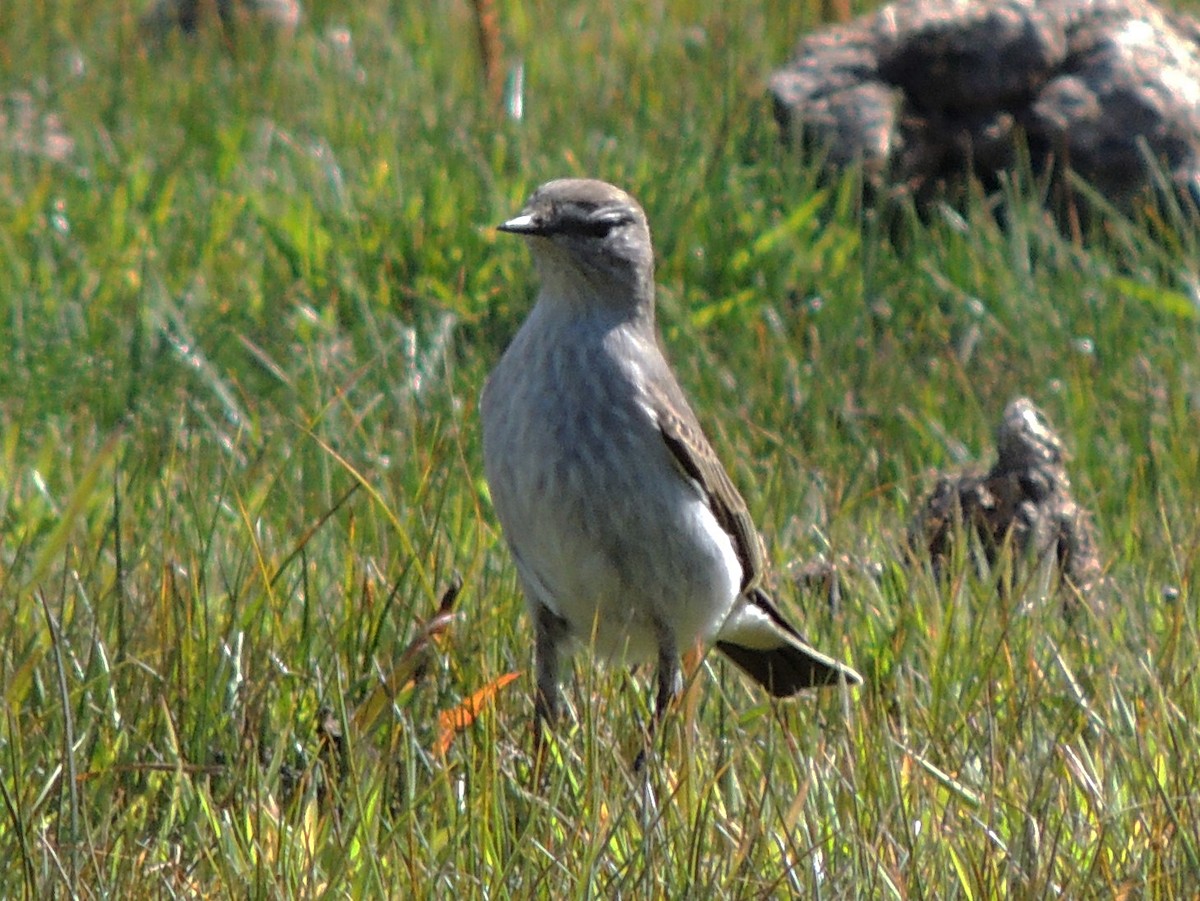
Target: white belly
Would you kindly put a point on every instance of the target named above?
(618, 583)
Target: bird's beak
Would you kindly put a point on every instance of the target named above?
(525, 224)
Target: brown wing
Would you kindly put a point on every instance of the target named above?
(695, 456)
(793, 664)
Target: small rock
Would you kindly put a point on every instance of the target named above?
(1024, 498)
(191, 16)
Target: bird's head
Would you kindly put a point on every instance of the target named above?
(586, 234)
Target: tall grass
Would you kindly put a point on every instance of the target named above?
(246, 321)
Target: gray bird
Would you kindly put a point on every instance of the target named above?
(627, 533)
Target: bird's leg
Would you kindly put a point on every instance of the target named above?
(550, 631)
(670, 684)
(670, 677)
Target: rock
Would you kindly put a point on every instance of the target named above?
(848, 114)
(962, 55)
(855, 124)
(1134, 89)
(840, 57)
(1024, 499)
(190, 16)
(927, 92)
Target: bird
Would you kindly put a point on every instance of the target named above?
(627, 533)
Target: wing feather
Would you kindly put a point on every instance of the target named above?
(695, 456)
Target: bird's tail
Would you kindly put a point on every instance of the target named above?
(769, 649)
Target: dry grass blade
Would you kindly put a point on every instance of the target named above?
(413, 661)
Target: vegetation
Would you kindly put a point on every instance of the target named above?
(246, 318)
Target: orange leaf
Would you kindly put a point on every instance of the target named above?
(459, 718)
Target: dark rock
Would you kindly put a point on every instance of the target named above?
(926, 92)
(831, 60)
(854, 124)
(849, 116)
(963, 55)
(1134, 92)
(191, 16)
(1023, 501)
(941, 147)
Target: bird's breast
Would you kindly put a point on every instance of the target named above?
(591, 500)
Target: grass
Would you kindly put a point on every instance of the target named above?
(246, 321)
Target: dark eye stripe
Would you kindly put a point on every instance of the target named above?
(593, 226)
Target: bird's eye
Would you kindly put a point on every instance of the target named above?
(596, 226)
